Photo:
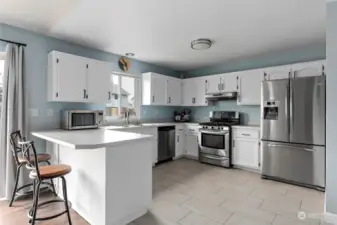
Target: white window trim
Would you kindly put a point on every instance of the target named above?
(138, 95)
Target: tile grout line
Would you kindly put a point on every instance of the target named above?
(228, 218)
(190, 212)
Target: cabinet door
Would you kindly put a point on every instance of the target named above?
(174, 91)
(200, 91)
(249, 85)
(188, 92)
(180, 144)
(307, 69)
(277, 73)
(99, 82)
(229, 82)
(246, 153)
(71, 77)
(158, 87)
(213, 84)
(191, 145)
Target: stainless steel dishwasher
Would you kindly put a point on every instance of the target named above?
(166, 143)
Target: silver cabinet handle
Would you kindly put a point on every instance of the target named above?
(223, 86)
(109, 95)
(245, 134)
(153, 98)
(290, 146)
(233, 143)
(178, 139)
(84, 93)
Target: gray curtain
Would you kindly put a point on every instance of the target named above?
(12, 115)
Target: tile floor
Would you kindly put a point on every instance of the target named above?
(186, 192)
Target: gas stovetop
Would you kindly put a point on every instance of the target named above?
(215, 126)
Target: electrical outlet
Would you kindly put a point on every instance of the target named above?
(50, 112)
(33, 112)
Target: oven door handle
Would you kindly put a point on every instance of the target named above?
(212, 132)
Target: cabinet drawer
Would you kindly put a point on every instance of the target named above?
(242, 133)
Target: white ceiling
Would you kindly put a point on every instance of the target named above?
(160, 31)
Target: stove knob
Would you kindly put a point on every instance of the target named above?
(212, 127)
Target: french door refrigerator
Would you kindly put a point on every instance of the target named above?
(293, 130)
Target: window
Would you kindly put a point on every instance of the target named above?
(125, 96)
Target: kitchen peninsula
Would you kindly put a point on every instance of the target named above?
(111, 178)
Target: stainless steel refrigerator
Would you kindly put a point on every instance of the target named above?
(293, 130)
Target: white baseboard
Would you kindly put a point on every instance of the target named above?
(247, 169)
(191, 157)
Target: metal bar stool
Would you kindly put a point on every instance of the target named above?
(39, 174)
(20, 161)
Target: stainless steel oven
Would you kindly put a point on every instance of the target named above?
(214, 147)
(81, 119)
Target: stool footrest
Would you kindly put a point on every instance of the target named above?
(49, 217)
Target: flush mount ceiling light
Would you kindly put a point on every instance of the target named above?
(201, 44)
(130, 54)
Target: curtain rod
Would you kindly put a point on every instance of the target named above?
(13, 42)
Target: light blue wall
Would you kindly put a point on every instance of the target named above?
(35, 73)
(252, 113)
(331, 109)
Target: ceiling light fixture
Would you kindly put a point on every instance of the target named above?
(130, 54)
(201, 44)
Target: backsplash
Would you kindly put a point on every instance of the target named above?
(157, 113)
(249, 114)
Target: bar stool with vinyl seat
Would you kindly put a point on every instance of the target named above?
(39, 174)
(20, 161)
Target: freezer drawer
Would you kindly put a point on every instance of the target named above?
(303, 164)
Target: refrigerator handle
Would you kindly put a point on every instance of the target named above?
(290, 146)
(291, 109)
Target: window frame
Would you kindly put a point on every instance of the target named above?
(138, 94)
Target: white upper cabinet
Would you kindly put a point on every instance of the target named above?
(249, 84)
(213, 84)
(229, 82)
(154, 89)
(277, 73)
(226, 82)
(316, 68)
(174, 92)
(99, 88)
(200, 88)
(67, 76)
(194, 90)
(161, 90)
(73, 78)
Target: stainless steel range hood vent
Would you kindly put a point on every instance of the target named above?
(222, 96)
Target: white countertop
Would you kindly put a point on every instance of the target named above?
(148, 125)
(89, 139)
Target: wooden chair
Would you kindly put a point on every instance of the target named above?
(20, 161)
(39, 174)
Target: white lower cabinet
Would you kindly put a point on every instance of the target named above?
(246, 148)
(180, 142)
(191, 145)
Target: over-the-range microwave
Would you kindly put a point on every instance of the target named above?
(81, 119)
